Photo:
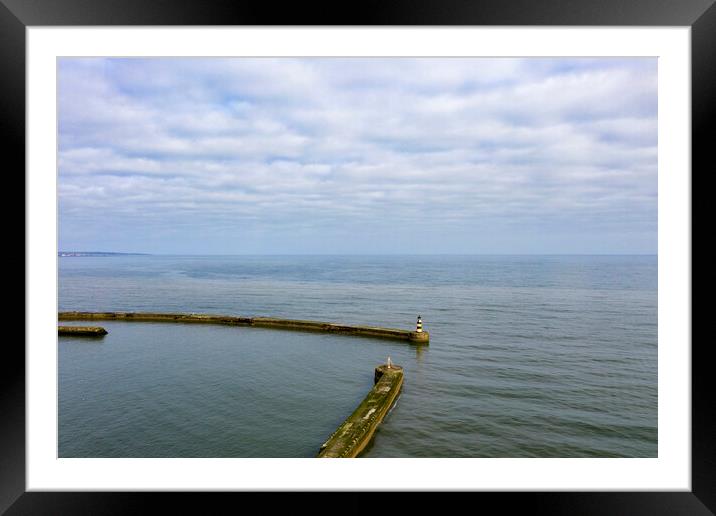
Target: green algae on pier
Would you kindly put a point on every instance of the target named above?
(356, 432)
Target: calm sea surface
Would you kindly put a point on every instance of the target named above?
(529, 356)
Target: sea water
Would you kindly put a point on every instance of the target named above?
(529, 356)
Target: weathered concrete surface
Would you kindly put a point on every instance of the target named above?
(262, 322)
(154, 317)
(356, 432)
(420, 337)
(89, 331)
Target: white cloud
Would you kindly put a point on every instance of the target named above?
(329, 145)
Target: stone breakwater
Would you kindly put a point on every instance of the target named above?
(88, 331)
(351, 438)
(413, 337)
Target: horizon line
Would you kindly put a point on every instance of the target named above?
(354, 254)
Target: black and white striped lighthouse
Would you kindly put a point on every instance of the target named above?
(419, 325)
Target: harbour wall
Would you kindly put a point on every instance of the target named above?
(413, 337)
(87, 331)
(351, 438)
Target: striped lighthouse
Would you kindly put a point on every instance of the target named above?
(419, 325)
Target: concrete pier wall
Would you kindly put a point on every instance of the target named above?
(262, 322)
(88, 331)
(351, 438)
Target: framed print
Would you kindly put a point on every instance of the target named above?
(515, 179)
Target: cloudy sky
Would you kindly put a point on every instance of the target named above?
(358, 156)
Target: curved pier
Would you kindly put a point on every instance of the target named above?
(414, 337)
(356, 432)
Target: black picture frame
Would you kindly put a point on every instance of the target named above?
(17, 15)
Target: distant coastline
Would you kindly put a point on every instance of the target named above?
(96, 253)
